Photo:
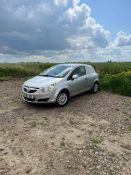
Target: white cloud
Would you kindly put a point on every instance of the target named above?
(122, 39)
(64, 29)
(59, 24)
(60, 2)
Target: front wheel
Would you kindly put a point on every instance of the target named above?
(62, 99)
(95, 87)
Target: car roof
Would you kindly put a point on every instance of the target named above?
(75, 64)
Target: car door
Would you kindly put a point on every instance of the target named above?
(77, 85)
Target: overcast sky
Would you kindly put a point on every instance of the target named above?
(65, 30)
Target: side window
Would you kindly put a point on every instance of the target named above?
(89, 70)
(80, 71)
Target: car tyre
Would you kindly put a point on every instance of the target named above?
(62, 99)
(95, 87)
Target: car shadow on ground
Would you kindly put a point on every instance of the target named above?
(53, 105)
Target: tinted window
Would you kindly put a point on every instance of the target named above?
(80, 71)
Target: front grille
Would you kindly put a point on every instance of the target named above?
(29, 99)
(30, 89)
(43, 100)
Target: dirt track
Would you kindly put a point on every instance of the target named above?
(91, 135)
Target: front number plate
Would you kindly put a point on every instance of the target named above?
(28, 96)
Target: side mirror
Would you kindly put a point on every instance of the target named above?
(75, 76)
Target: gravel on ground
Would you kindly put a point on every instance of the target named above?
(89, 136)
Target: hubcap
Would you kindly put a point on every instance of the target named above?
(96, 87)
(62, 98)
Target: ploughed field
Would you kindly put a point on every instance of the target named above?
(91, 135)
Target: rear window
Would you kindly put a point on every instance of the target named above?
(90, 70)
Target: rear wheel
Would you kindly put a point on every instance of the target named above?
(62, 99)
(95, 87)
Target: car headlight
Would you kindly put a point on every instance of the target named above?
(47, 89)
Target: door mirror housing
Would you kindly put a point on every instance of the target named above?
(75, 76)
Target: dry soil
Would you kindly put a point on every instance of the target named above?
(89, 136)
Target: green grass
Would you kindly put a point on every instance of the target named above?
(62, 144)
(129, 128)
(114, 76)
(112, 154)
(95, 140)
(28, 69)
(33, 124)
(112, 68)
(22, 69)
(117, 83)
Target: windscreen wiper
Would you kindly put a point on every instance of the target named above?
(44, 75)
(49, 76)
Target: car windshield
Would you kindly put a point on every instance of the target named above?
(58, 71)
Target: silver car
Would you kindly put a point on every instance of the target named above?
(60, 82)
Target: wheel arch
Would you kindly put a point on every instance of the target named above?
(97, 81)
(60, 90)
(65, 90)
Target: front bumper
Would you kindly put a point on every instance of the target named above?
(39, 97)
